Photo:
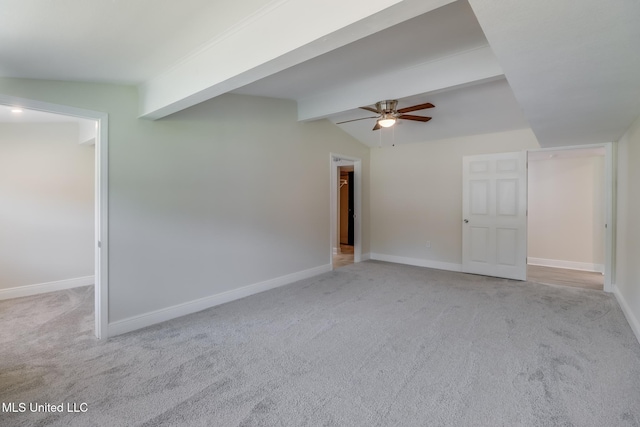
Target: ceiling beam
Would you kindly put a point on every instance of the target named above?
(278, 36)
(473, 66)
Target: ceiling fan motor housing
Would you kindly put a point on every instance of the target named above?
(388, 106)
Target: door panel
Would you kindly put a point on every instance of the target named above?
(479, 242)
(507, 195)
(479, 166)
(507, 246)
(494, 231)
(479, 197)
(507, 165)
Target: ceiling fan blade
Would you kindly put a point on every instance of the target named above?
(373, 110)
(416, 108)
(355, 120)
(377, 126)
(416, 118)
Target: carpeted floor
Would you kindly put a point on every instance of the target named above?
(371, 344)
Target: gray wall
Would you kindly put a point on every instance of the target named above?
(46, 204)
(197, 204)
(225, 194)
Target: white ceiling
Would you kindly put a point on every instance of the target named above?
(16, 114)
(482, 108)
(435, 35)
(574, 66)
(22, 115)
(112, 41)
(571, 68)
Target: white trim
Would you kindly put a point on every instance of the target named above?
(333, 202)
(438, 265)
(610, 166)
(570, 265)
(366, 257)
(162, 315)
(101, 243)
(42, 288)
(633, 320)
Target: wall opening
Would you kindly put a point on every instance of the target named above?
(91, 131)
(567, 217)
(345, 208)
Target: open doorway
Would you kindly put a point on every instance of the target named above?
(346, 245)
(567, 217)
(344, 252)
(90, 132)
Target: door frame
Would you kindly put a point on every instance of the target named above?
(609, 201)
(101, 198)
(335, 161)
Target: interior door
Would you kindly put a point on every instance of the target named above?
(494, 212)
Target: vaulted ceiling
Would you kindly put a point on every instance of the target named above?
(567, 69)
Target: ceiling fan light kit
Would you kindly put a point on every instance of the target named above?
(387, 121)
(388, 115)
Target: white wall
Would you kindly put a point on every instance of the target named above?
(46, 204)
(627, 263)
(203, 202)
(416, 196)
(566, 212)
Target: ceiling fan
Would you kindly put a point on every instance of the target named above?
(388, 114)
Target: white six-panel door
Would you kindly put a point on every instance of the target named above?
(494, 212)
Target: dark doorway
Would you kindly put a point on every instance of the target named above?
(351, 211)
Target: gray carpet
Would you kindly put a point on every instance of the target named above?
(371, 344)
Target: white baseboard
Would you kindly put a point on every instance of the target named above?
(365, 257)
(570, 265)
(162, 315)
(41, 288)
(438, 265)
(631, 318)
